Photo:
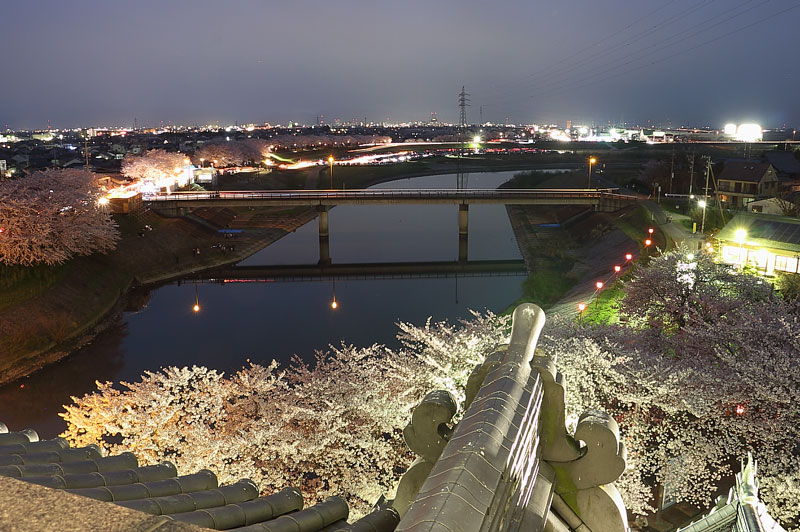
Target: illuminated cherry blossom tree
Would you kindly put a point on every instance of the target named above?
(701, 370)
(233, 153)
(52, 215)
(153, 165)
(334, 428)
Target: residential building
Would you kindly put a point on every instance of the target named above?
(770, 243)
(743, 182)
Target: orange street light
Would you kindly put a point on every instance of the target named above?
(599, 285)
(592, 160)
(196, 307)
(330, 162)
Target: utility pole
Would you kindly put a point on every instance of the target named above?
(86, 149)
(705, 197)
(672, 170)
(691, 175)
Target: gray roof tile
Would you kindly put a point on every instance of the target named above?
(163, 500)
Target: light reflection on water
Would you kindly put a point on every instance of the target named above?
(262, 321)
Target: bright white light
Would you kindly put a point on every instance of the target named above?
(583, 131)
(749, 133)
(730, 129)
(476, 139)
(701, 204)
(103, 201)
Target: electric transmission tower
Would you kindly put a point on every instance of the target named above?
(463, 103)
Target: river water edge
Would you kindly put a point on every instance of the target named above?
(256, 322)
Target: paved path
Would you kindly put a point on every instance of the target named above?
(599, 259)
(674, 230)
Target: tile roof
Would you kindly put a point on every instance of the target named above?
(780, 232)
(743, 171)
(783, 161)
(158, 490)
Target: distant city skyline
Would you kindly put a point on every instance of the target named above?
(698, 63)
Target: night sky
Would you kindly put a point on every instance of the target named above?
(104, 62)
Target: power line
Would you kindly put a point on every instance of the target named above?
(566, 65)
(661, 60)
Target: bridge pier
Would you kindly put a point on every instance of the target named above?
(324, 241)
(463, 231)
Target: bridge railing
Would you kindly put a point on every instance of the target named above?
(390, 194)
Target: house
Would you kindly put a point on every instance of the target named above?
(777, 206)
(770, 243)
(742, 182)
(788, 169)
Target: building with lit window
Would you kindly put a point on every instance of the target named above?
(743, 182)
(769, 243)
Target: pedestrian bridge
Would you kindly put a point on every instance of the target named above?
(182, 202)
(602, 199)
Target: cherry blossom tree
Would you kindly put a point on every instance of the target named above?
(233, 153)
(153, 165)
(701, 369)
(327, 428)
(52, 215)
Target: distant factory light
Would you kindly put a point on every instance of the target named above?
(730, 129)
(749, 133)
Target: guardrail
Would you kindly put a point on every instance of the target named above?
(366, 194)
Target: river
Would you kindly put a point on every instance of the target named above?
(252, 321)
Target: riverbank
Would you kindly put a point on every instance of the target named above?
(89, 293)
(568, 249)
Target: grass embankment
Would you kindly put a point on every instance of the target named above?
(551, 276)
(45, 312)
(635, 224)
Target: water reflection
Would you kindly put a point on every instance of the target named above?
(261, 321)
(35, 401)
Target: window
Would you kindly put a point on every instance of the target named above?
(786, 264)
(731, 254)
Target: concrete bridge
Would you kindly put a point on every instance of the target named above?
(600, 199)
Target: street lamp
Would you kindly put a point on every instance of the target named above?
(592, 160)
(581, 308)
(330, 162)
(196, 307)
(628, 257)
(740, 235)
(599, 285)
(617, 269)
(702, 204)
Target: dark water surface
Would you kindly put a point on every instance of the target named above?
(262, 321)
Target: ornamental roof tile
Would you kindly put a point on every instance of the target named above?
(153, 498)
